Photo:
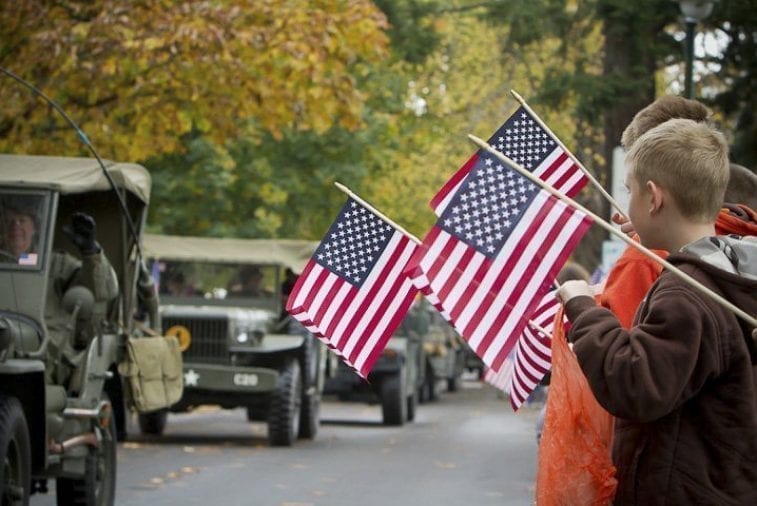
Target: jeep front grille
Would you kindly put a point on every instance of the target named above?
(208, 339)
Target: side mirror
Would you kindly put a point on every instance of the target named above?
(79, 301)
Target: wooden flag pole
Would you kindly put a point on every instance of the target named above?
(410, 236)
(539, 328)
(591, 177)
(602, 223)
(376, 212)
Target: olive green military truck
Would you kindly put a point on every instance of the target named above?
(443, 357)
(396, 378)
(224, 299)
(60, 343)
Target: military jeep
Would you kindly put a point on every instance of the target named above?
(224, 299)
(62, 425)
(443, 355)
(395, 379)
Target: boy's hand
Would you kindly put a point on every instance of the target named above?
(625, 224)
(574, 288)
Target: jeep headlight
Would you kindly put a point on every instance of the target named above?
(242, 337)
(246, 334)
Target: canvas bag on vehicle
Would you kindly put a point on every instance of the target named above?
(153, 368)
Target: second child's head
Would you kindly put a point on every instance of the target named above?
(658, 112)
(677, 170)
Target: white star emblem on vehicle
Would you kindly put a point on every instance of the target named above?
(191, 378)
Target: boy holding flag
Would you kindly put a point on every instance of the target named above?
(681, 381)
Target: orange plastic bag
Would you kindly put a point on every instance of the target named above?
(575, 467)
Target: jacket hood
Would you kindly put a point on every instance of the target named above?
(731, 262)
(737, 255)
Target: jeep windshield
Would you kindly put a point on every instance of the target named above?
(216, 283)
(23, 229)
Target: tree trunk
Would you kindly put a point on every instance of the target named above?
(629, 78)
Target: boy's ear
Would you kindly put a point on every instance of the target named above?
(655, 197)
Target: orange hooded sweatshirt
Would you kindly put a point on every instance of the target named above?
(633, 274)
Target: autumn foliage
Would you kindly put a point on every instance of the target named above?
(137, 75)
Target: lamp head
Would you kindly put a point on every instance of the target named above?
(696, 10)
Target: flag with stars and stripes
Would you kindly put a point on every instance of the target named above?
(522, 139)
(353, 292)
(493, 253)
(501, 379)
(533, 353)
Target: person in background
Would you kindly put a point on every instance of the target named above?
(633, 274)
(290, 278)
(92, 270)
(19, 227)
(679, 382)
(177, 286)
(250, 283)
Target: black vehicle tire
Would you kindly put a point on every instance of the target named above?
(153, 423)
(412, 404)
(431, 385)
(15, 473)
(453, 383)
(394, 398)
(114, 389)
(310, 413)
(309, 356)
(98, 485)
(284, 410)
(422, 393)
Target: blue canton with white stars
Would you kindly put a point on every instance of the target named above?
(523, 140)
(354, 243)
(488, 205)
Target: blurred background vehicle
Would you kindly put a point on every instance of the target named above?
(224, 300)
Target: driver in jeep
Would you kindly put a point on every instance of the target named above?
(20, 223)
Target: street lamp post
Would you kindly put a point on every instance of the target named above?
(693, 12)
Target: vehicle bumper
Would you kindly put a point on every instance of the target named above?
(207, 377)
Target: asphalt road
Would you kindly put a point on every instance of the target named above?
(467, 448)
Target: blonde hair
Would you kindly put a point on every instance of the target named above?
(660, 111)
(689, 160)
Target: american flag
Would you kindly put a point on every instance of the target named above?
(522, 139)
(492, 254)
(353, 292)
(501, 379)
(531, 358)
(533, 353)
(27, 259)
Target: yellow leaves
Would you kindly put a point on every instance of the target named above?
(267, 222)
(156, 69)
(80, 30)
(152, 43)
(109, 66)
(272, 195)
